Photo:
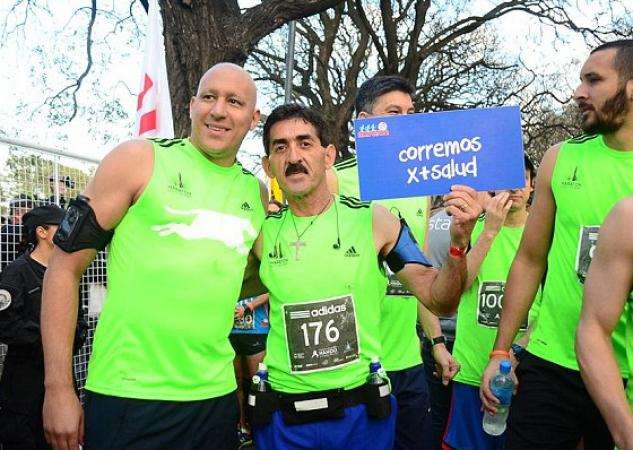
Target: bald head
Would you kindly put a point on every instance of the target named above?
(237, 74)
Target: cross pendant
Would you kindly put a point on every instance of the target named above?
(297, 245)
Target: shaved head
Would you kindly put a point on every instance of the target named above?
(232, 70)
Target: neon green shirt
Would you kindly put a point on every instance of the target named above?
(324, 301)
(588, 179)
(175, 268)
(480, 306)
(400, 342)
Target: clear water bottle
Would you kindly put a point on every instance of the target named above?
(377, 375)
(260, 379)
(502, 387)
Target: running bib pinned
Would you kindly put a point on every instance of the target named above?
(489, 304)
(586, 247)
(321, 335)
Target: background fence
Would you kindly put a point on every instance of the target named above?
(34, 175)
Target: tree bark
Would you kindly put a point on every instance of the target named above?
(201, 33)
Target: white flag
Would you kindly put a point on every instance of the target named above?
(153, 109)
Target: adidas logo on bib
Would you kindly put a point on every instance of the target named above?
(246, 207)
(351, 252)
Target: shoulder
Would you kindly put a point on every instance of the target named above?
(13, 272)
(346, 164)
(353, 202)
(582, 139)
(130, 154)
(276, 216)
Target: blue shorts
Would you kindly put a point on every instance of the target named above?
(464, 430)
(355, 431)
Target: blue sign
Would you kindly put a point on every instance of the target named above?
(425, 154)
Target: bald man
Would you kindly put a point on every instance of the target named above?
(182, 215)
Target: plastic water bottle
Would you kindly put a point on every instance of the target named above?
(260, 379)
(502, 387)
(377, 375)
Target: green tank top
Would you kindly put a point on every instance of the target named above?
(324, 301)
(480, 306)
(175, 267)
(400, 342)
(589, 178)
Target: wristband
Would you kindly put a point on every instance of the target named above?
(456, 252)
(438, 340)
(499, 353)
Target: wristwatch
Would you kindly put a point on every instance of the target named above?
(438, 340)
(518, 351)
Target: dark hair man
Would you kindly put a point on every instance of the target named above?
(382, 96)
(10, 246)
(602, 308)
(321, 262)
(22, 382)
(579, 181)
(185, 215)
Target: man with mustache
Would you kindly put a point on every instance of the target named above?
(321, 260)
(579, 181)
(612, 266)
(182, 215)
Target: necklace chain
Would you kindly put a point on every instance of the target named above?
(300, 235)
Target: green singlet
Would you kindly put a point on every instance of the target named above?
(629, 347)
(324, 302)
(175, 266)
(400, 342)
(589, 178)
(480, 306)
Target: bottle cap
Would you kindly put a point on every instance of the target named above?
(256, 379)
(375, 360)
(505, 366)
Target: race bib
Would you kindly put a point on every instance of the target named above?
(395, 287)
(321, 335)
(489, 304)
(586, 247)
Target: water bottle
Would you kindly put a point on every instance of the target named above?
(377, 375)
(260, 379)
(502, 387)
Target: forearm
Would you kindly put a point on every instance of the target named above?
(523, 283)
(477, 254)
(259, 300)
(447, 287)
(602, 378)
(429, 321)
(58, 322)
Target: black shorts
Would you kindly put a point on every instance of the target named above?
(553, 410)
(246, 344)
(133, 424)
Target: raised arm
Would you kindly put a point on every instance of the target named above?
(612, 266)
(118, 182)
(439, 291)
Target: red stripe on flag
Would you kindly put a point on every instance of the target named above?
(147, 85)
(147, 122)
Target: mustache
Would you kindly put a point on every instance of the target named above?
(295, 168)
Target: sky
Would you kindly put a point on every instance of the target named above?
(39, 60)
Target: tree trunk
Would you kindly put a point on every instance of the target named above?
(199, 34)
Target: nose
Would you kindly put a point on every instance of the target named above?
(580, 93)
(294, 155)
(218, 109)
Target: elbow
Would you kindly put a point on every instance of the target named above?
(445, 307)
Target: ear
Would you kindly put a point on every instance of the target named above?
(41, 232)
(629, 90)
(330, 156)
(362, 115)
(193, 99)
(266, 166)
(256, 118)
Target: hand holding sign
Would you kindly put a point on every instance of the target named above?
(497, 209)
(462, 204)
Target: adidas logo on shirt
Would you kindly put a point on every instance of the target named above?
(351, 252)
(246, 207)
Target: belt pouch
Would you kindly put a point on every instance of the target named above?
(378, 401)
(312, 407)
(261, 406)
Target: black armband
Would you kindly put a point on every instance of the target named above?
(79, 228)
(406, 251)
